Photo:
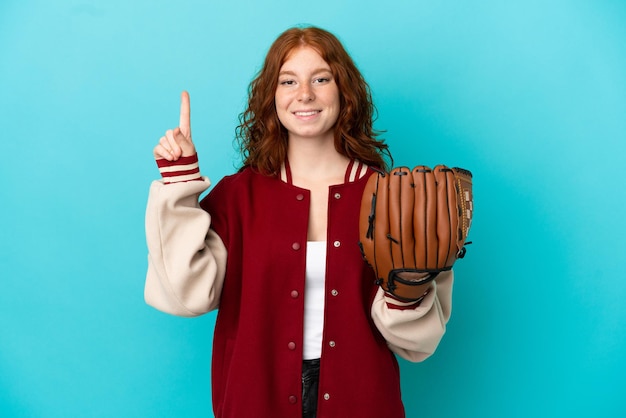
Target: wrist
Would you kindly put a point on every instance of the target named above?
(181, 170)
(395, 302)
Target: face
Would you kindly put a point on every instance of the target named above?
(307, 97)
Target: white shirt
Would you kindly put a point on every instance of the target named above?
(314, 299)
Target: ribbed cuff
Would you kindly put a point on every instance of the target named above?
(395, 303)
(183, 169)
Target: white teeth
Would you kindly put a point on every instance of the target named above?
(311, 113)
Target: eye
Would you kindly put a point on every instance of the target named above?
(287, 82)
(321, 80)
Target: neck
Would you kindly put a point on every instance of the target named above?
(315, 160)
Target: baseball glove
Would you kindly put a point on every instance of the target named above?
(413, 225)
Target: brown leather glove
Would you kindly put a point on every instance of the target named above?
(413, 225)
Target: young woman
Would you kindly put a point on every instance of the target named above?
(302, 328)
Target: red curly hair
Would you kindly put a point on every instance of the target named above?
(261, 136)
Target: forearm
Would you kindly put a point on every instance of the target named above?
(187, 259)
(414, 332)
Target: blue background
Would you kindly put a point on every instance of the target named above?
(530, 95)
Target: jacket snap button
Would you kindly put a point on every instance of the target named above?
(326, 396)
(291, 346)
(300, 197)
(293, 399)
(331, 343)
(336, 244)
(295, 246)
(334, 292)
(337, 196)
(294, 294)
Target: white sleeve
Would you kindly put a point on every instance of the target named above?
(186, 259)
(415, 333)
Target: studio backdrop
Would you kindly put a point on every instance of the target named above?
(529, 95)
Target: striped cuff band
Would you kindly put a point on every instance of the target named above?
(395, 303)
(183, 169)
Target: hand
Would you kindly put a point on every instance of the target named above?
(177, 142)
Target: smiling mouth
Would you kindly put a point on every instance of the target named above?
(309, 113)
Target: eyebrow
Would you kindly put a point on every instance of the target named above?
(317, 71)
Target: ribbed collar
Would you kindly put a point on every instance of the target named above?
(355, 170)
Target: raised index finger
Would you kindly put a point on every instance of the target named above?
(185, 115)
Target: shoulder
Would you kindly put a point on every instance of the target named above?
(243, 179)
(235, 187)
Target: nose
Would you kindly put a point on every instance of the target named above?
(306, 93)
